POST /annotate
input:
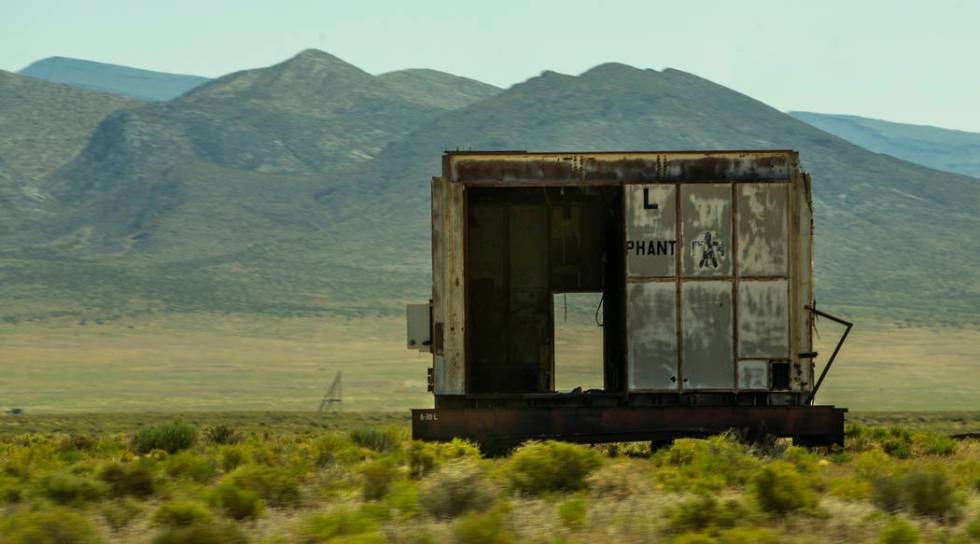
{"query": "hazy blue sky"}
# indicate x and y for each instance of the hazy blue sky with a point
(916, 62)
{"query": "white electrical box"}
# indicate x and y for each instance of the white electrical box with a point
(419, 327)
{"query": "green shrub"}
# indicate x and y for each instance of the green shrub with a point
(748, 535)
(275, 485)
(378, 511)
(484, 528)
(10, 490)
(887, 493)
(403, 497)
(933, 444)
(187, 464)
(128, 479)
(456, 487)
(235, 502)
(929, 494)
(181, 514)
(76, 442)
(923, 493)
(851, 489)
(215, 533)
(802, 458)
(335, 525)
(619, 479)
(379, 440)
(328, 449)
(232, 457)
(572, 512)
(898, 531)
(424, 457)
(49, 526)
(779, 489)
(704, 465)
(222, 434)
(704, 512)
(170, 437)
(120, 513)
(67, 488)
(693, 538)
(541, 467)
(895, 441)
(377, 476)
(972, 529)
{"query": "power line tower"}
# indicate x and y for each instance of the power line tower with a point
(333, 398)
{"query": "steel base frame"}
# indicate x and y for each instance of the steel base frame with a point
(500, 429)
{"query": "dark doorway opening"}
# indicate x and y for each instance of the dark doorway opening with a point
(523, 245)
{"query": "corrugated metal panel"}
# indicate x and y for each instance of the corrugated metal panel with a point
(651, 230)
(652, 335)
(706, 229)
(763, 319)
(762, 229)
(753, 374)
(706, 325)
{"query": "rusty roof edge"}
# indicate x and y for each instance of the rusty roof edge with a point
(625, 152)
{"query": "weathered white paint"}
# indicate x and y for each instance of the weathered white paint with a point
(707, 357)
(706, 229)
(651, 332)
(762, 229)
(645, 225)
(753, 374)
(763, 319)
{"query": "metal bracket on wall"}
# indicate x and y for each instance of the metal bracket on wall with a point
(833, 355)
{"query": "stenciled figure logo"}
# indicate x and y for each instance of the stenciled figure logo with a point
(711, 250)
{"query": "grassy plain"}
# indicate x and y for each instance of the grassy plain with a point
(218, 362)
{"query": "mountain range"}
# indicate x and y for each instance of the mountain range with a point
(940, 148)
(112, 78)
(303, 188)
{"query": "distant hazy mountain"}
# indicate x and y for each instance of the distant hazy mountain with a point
(112, 78)
(46, 124)
(304, 187)
(944, 149)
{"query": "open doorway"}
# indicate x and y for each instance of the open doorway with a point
(578, 342)
(525, 248)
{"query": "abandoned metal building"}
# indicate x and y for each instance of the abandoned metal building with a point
(703, 261)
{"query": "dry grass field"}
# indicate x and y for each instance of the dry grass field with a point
(214, 362)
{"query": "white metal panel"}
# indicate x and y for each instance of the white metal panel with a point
(762, 229)
(763, 319)
(706, 323)
(651, 332)
(753, 374)
(651, 230)
(706, 229)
